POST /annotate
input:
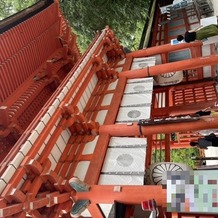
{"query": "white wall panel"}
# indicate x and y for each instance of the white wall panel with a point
(124, 160)
(81, 169)
(90, 146)
(133, 114)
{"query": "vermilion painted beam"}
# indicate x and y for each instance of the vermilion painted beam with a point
(95, 211)
(17, 177)
(133, 130)
(32, 165)
(115, 103)
(4, 116)
(35, 186)
(183, 109)
(3, 203)
(94, 170)
(52, 177)
(40, 140)
(11, 210)
(61, 198)
(38, 203)
(148, 152)
(60, 168)
(135, 194)
(64, 208)
(162, 49)
(35, 214)
(21, 215)
(13, 194)
(63, 186)
(128, 63)
(191, 108)
(167, 147)
(68, 149)
(50, 144)
(171, 67)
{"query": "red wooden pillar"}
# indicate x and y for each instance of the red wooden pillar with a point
(171, 67)
(131, 194)
(162, 49)
(4, 117)
(134, 130)
(184, 109)
(190, 109)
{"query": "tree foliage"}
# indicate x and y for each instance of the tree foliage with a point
(10, 7)
(182, 155)
(125, 17)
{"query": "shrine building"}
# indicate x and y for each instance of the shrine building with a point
(102, 115)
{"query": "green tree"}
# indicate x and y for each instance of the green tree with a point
(125, 17)
(182, 155)
(10, 7)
